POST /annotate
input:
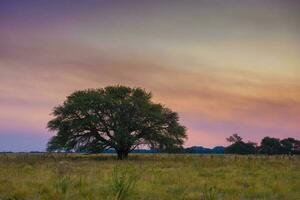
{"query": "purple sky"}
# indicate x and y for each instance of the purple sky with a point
(224, 67)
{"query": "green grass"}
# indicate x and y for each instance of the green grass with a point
(148, 177)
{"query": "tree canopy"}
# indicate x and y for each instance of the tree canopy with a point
(268, 145)
(117, 117)
(272, 146)
(238, 146)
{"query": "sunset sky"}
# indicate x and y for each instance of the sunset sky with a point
(224, 66)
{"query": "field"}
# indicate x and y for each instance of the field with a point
(148, 177)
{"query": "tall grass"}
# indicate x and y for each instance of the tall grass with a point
(208, 193)
(148, 177)
(63, 184)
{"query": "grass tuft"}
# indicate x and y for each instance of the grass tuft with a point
(123, 182)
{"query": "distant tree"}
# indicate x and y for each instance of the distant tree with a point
(287, 145)
(271, 146)
(115, 117)
(290, 146)
(238, 146)
(234, 138)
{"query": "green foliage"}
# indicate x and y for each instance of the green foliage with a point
(115, 117)
(123, 181)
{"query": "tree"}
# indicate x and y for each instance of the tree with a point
(270, 146)
(287, 145)
(290, 146)
(234, 138)
(117, 117)
(238, 146)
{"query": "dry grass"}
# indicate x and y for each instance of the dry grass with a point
(160, 177)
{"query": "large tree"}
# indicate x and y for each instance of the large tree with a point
(117, 117)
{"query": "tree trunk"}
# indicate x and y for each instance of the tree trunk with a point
(122, 154)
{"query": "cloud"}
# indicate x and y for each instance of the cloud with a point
(230, 67)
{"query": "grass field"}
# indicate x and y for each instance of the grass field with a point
(148, 177)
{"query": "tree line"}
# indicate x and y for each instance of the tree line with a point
(268, 146)
(123, 118)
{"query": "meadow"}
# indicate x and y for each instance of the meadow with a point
(148, 177)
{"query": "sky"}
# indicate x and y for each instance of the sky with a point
(225, 66)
